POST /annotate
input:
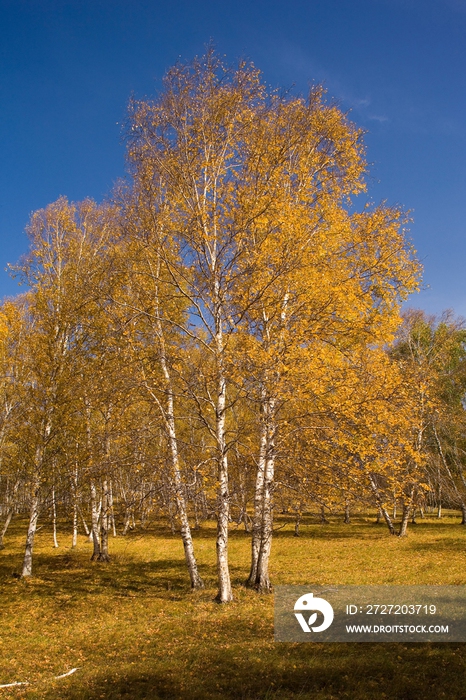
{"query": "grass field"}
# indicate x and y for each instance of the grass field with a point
(134, 630)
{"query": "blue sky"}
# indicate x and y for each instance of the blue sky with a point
(68, 68)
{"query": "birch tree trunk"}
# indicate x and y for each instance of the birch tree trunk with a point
(196, 580)
(262, 583)
(74, 541)
(347, 519)
(54, 518)
(258, 500)
(407, 508)
(86, 529)
(167, 410)
(103, 554)
(94, 523)
(9, 513)
(169, 415)
(263, 508)
(127, 522)
(452, 480)
(33, 518)
(380, 506)
(463, 515)
(225, 594)
(111, 510)
(74, 492)
(439, 498)
(404, 520)
(6, 525)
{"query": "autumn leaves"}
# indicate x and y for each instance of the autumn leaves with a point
(224, 321)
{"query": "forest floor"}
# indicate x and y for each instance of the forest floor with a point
(134, 630)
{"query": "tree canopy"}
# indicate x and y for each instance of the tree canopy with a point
(223, 337)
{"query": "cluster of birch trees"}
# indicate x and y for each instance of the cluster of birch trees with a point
(222, 338)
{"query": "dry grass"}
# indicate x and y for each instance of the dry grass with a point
(136, 631)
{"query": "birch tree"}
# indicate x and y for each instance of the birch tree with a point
(431, 354)
(148, 311)
(327, 282)
(58, 272)
(13, 378)
(186, 149)
(252, 189)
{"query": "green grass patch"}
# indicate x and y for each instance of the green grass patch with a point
(134, 629)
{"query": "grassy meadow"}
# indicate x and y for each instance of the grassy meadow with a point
(134, 630)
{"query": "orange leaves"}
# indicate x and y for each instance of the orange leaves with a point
(234, 279)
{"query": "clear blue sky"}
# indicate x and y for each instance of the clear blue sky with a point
(68, 67)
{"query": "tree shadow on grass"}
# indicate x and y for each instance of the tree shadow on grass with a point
(369, 529)
(445, 544)
(333, 532)
(123, 576)
(287, 672)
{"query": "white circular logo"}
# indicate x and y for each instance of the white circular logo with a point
(307, 603)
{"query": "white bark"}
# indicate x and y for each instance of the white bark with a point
(111, 510)
(262, 529)
(54, 518)
(33, 518)
(86, 529)
(74, 540)
(380, 505)
(74, 491)
(6, 525)
(404, 520)
(225, 593)
(103, 554)
(94, 523)
(262, 582)
(9, 514)
(263, 500)
(407, 508)
(167, 410)
(169, 415)
(258, 501)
